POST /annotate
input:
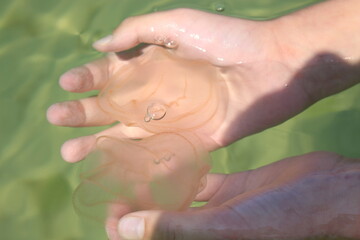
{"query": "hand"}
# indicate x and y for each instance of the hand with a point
(312, 195)
(265, 84)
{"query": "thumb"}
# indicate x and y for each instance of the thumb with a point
(202, 224)
(155, 28)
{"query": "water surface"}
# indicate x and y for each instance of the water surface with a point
(40, 39)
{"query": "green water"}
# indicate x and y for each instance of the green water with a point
(40, 39)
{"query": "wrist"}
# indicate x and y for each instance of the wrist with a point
(331, 27)
(321, 45)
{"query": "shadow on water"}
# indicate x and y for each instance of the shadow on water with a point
(329, 129)
(324, 75)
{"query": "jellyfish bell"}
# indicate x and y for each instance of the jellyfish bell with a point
(160, 91)
(164, 171)
(176, 99)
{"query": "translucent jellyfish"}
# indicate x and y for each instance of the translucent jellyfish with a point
(162, 92)
(175, 99)
(164, 171)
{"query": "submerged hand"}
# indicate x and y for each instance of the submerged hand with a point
(312, 195)
(267, 82)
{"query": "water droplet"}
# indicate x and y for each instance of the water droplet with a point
(159, 40)
(170, 43)
(219, 7)
(155, 111)
(157, 161)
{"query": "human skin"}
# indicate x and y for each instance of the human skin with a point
(275, 69)
(310, 196)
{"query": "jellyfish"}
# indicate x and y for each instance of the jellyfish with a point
(163, 92)
(173, 98)
(164, 171)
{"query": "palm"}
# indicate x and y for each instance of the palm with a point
(304, 195)
(278, 176)
(295, 198)
(260, 85)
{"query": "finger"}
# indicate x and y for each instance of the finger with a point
(91, 76)
(156, 28)
(77, 149)
(213, 184)
(80, 113)
(111, 228)
(115, 212)
(207, 224)
(286, 170)
(232, 185)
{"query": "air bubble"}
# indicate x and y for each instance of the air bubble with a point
(147, 118)
(155, 111)
(167, 157)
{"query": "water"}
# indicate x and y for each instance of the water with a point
(40, 39)
(218, 6)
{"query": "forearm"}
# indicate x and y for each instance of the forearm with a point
(332, 26)
(322, 46)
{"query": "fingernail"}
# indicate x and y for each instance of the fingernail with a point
(132, 228)
(104, 41)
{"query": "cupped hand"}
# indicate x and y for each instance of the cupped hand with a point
(312, 195)
(264, 85)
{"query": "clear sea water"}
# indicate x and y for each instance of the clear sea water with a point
(40, 39)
